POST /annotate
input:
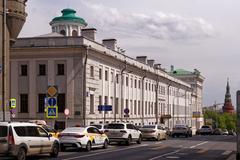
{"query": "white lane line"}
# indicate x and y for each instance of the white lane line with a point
(198, 144)
(106, 152)
(157, 142)
(226, 153)
(166, 154)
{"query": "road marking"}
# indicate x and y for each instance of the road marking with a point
(157, 142)
(109, 151)
(226, 153)
(172, 157)
(157, 147)
(166, 154)
(198, 144)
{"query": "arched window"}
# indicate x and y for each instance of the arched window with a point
(63, 32)
(74, 33)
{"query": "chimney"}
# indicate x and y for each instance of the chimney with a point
(89, 33)
(157, 66)
(142, 59)
(150, 62)
(110, 43)
(172, 68)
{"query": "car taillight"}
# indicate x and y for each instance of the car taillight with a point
(10, 137)
(79, 136)
(123, 131)
(152, 131)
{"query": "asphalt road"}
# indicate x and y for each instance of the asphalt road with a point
(194, 148)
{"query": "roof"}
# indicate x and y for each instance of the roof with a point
(54, 34)
(69, 15)
(181, 72)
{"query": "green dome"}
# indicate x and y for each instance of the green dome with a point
(69, 15)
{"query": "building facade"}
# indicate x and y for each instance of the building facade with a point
(12, 18)
(89, 74)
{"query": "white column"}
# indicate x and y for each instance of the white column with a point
(51, 73)
(32, 89)
(14, 83)
(70, 87)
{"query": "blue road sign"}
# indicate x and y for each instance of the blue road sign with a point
(105, 108)
(52, 112)
(52, 101)
(126, 111)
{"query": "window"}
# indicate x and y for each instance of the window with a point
(139, 107)
(100, 73)
(116, 105)
(21, 131)
(146, 107)
(130, 126)
(91, 104)
(135, 107)
(126, 81)
(105, 100)
(117, 78)
(146, 85)
(3, 130)
(149, 87)
(41, 102)
(63, 32)
(91, 71)
(60, 69)
(135, 83)
(32, 131)
(131, 82)
(139, 84)
(100, 101)
(112, 77)
(126, 103)
(24, 70)
(42, 70)
(41, 132)
(74, 33)
(61, 102)
(106, 75)
(23, 103)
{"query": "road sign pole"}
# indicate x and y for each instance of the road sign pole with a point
(238, 125)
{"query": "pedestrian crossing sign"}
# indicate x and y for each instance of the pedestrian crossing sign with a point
(52, 112)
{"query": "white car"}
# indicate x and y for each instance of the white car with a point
(20, 139)
(101, 127)
(153, 131)
(206, 130)
(82, 137)
(123, 132)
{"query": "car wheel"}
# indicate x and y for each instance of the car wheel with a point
(88, 146)
(139, 141)
(55, 150)
(21, 154)
(158, 137)
(186, 135)
(105, 144)
(129, 140)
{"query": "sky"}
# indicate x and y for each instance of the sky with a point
(189, 34)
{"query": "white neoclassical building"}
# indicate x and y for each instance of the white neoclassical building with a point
(88, 74)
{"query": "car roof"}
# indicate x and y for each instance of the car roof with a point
(17, 124)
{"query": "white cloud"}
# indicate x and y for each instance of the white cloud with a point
(158, 25)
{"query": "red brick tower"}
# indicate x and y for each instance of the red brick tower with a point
(228, 107)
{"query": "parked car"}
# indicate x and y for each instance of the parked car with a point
(232, 132)
(181, 130)
(225, 132)
(153, 131)
(101, 127)
(82, 137)
(206, 130)
(51, 130)
(123, 132)
(217, 131)
(21, 139)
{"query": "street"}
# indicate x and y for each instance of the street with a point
(196, 147)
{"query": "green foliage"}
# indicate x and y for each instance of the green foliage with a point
(222, 120)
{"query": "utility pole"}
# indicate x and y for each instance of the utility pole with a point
(238, 125)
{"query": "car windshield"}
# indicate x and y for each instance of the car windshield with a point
(73, 129)
(3, 130)
(149, 126)
(49, 129)
(98, 126)
(205, 127)
(115, 126)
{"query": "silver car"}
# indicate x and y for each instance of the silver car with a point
(153, 131)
